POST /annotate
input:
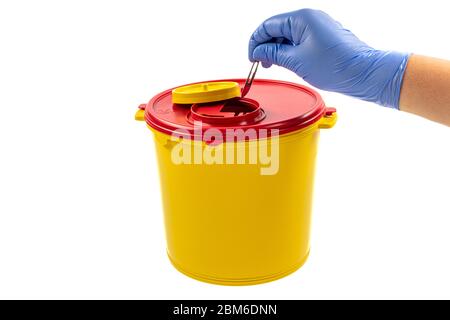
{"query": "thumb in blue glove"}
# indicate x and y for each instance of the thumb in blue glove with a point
(329, 57)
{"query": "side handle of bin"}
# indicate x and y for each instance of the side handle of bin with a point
(139, 116)
(329, 119)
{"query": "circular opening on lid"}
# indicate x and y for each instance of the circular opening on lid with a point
(233, 111)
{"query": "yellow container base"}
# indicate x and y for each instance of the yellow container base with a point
(240, 282)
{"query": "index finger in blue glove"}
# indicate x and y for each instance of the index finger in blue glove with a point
(280, 26)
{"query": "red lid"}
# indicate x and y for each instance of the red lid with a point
(270, 104)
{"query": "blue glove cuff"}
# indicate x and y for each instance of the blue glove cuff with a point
(396, 62)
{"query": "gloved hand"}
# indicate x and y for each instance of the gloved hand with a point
(328, 56)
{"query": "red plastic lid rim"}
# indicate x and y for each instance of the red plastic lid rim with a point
(248, 113)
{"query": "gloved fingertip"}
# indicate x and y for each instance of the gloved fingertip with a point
(264, 54)
(259, 53)
(252, 44)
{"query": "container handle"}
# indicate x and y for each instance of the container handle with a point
(329, 119)
(140, 114)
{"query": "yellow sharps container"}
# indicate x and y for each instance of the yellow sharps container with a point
(237, 176)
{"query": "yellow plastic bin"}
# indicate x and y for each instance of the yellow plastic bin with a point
(237, 180)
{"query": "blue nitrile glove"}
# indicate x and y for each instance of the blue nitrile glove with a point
(328, 56)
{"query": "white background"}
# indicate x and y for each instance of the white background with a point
(80, 210)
